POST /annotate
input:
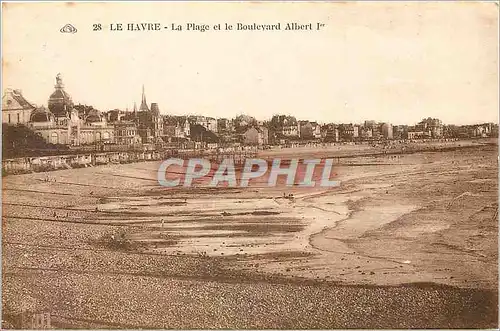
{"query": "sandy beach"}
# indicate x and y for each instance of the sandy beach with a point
(406, 241)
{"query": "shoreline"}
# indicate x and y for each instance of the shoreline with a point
(100, 233)
(406, 148)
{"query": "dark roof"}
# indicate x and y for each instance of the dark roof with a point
(60, 94)
(60, 102)
(174, 120)
(41, 114)
(154, 109)
(258, 128)
(144, 106)
(94, 116)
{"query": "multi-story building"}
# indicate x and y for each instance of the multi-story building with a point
(116, 115)
(15, 108)
(242, 121)
(126, 133)
(330, 133)
(209, 123)
(371, 130)
(494, 130)
(399, 131)
(411, 134)
(305, 130)
(377, 131)
(387, 131)
(366, 133)
(432, 127)
(284, 126)
(289, 127)
(484, 130)
(224, 125)
(355, 132)
(61, 123)
(177, 127)
(369, 124)
(149, 121)
(346, 132)
(309, 130)
(256, 135)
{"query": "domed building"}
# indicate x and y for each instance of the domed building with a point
(61, 124)
(44, 122)
(60, 102)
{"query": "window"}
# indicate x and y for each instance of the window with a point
(18, 118)
(54, 138)
(9, 118)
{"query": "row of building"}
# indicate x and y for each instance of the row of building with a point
(63, 122)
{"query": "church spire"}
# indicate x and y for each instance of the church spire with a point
(144, 104)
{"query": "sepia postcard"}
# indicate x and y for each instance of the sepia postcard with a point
(250, 165)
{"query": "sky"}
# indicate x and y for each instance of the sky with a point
(385, 61)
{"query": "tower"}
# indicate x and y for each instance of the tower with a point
(144, 104)
(60, 103)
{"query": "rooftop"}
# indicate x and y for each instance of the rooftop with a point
(14, 100)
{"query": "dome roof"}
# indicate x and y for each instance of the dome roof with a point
(94, 116)
(60, 94)
(60, 102)
(41, 114)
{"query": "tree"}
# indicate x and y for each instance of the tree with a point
(19, 140)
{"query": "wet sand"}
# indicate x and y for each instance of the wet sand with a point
(406, 241)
